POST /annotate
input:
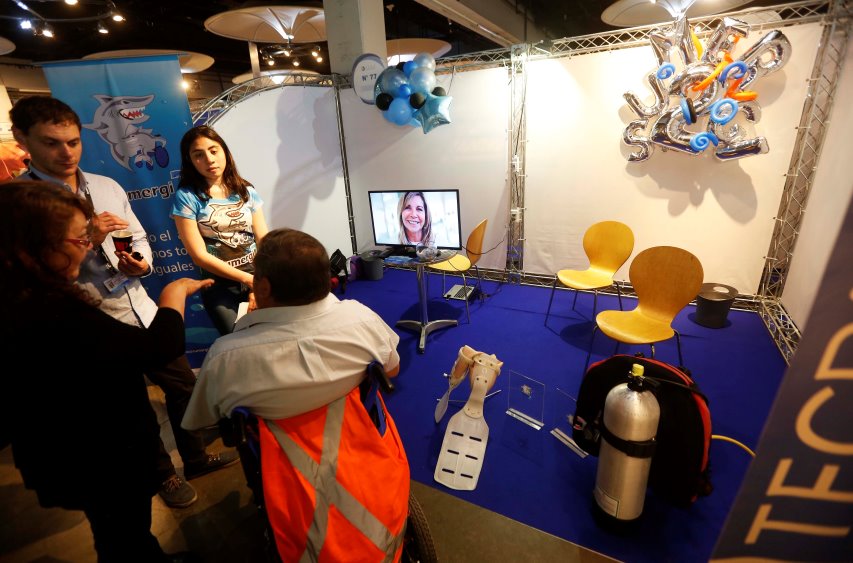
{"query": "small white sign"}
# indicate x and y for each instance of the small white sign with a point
(365, 70)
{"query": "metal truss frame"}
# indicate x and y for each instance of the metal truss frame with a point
(517, 161)
(213, 108)
(811, 132)
(835, 15)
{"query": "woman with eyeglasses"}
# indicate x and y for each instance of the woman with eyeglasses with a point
(83, 435)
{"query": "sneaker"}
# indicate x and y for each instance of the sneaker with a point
(211, 463)
(177, 493)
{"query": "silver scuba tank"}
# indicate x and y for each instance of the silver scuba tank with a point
(630, 423)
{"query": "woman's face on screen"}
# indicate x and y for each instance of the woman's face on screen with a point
(413, 217)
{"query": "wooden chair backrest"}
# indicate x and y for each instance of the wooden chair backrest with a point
(666, 279)
(608, 245)
(474, 246)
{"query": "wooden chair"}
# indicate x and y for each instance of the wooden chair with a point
(460, 264)
(665, 279)
(608, 245)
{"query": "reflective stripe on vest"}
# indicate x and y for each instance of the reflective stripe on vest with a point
(329, 492)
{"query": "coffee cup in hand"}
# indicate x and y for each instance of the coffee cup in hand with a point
(123, 240)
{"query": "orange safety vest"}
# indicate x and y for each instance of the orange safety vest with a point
(334, 488)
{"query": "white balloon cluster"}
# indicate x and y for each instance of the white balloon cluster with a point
(705, 101)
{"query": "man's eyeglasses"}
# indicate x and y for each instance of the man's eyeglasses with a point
(84, 242)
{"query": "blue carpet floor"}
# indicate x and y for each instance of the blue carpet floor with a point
(529, 475)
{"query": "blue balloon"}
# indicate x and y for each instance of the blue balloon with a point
(422, 80)
(399, 112)
(435, 112)
(404, 91)
(390, 80)
(424, 60)
(408, 67)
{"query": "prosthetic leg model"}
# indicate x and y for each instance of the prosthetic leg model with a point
(464, 446)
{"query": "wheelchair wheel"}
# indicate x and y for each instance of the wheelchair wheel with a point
(418, 546)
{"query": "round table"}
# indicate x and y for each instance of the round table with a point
(425, 326)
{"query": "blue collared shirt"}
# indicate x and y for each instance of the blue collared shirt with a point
(130, 303)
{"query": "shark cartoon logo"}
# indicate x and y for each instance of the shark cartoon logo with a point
(229, 223)
(117, 121)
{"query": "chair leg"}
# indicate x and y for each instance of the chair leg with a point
(553, 288)
(653, 350)
(443, 287)
(678, 343)
(465, 285)
(619, 293)
(594, 302)
(479, 282)
(575, 300)
(589, 352)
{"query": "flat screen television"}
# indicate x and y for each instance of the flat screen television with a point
(402, 218)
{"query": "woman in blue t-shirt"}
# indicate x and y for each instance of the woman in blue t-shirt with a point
(219, 219)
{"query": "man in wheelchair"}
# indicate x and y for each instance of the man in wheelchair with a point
(296, 364)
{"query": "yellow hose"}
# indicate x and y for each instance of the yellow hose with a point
(733, 441)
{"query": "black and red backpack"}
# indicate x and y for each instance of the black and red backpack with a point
(679, 470)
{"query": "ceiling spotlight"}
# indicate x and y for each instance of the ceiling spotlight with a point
(117, 17)
(47, 31)
(315, 54)
(71, 2)
(185, 85)
(286, 53)
(270, 62)
(295, 62)
(319, 59)
(26, 24)
(277, 78)
(102, 29)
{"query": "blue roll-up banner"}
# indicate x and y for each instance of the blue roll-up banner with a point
(796, 501)
(134, 113)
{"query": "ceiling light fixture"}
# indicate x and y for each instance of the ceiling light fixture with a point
(43, 26)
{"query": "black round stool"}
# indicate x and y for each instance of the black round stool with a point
(713, 304)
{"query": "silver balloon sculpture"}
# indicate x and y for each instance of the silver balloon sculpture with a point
(700, 95)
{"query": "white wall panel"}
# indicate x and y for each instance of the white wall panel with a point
(469, 154)
(577, 173)
(285, 141)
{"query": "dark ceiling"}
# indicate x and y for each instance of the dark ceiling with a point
(179, 24)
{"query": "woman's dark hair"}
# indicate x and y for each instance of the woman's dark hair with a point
(38, 215)
(191, 178)
(296, 265)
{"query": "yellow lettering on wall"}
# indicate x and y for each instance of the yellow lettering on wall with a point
(824, 368)
(822, 489)
(804, 425)
(762, 522)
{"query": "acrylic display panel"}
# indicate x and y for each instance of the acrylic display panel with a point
(564, 411)
(526, 401)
